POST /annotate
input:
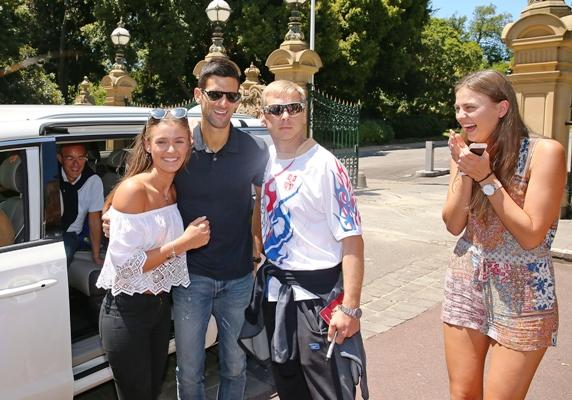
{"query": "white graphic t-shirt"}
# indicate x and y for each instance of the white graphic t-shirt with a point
(308, 207)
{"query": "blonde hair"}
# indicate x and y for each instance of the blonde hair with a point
(504, 142)
(281, 87)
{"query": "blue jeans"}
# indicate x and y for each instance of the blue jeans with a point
(193, 306)
(71, 244)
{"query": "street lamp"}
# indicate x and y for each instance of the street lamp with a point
(294, 22)
(120, 37)
(218, 12)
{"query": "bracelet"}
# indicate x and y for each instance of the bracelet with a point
(256, 259)
(490, 173)
(173, 252)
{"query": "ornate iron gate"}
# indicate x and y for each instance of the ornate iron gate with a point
(334, 124)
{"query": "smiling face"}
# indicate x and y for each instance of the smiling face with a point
(73, 158)
(168, 144)
(478, 114)
(217, 113)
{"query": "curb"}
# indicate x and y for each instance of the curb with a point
(432, 173)
(562, 254)
(373, 150)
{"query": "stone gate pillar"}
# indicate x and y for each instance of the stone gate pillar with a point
(294, 60)
(541, 40)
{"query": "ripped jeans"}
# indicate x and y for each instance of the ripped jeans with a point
(193, 306)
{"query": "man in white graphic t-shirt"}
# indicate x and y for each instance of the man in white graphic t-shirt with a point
(312, 235)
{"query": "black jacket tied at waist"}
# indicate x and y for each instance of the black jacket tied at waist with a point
(326, 284)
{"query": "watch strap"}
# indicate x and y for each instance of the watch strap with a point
(352, 312)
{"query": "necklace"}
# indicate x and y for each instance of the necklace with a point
(166, 195)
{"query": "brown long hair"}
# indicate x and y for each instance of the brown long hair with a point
(504, 143)
(139, 160)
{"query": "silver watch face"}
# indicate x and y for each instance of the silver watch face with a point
(489, 189)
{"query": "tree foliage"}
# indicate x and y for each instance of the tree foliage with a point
(23, 78)
(375, 46)
(485, 28)
(444, 59)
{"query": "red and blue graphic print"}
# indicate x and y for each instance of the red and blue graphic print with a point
(348, 216)
(277, 225)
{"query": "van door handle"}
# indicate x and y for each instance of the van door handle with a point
(32, 287)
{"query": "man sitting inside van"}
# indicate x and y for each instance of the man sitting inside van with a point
(82, 194)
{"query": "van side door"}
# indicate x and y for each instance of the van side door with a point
(35, 361)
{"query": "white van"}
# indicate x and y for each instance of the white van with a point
(49, 341)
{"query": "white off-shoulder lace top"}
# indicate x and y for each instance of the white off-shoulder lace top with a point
(130, 236)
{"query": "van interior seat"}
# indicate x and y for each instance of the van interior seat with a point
(12, 178)
(115, 163)
(94, 160)
(83, 274)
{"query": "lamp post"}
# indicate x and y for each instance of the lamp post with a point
(294, 23)
(218, 12)
(120, 37)
(117, 83)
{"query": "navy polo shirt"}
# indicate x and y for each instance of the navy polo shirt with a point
(218, 186)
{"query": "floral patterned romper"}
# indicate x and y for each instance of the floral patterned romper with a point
(495, 286)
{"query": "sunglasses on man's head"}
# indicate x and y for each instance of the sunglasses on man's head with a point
(215, 95)
(160, 113)
(278, 109)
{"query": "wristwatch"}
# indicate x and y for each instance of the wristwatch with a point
(490, 188)
(352, 312)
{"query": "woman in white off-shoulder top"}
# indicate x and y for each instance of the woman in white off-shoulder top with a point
(146, 256)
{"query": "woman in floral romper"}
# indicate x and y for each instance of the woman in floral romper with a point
(499, 287)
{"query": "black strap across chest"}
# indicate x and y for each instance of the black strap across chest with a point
(70, 197)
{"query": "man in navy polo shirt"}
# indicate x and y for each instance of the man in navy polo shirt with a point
(217, 183)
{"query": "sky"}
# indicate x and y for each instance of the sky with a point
(466, 7)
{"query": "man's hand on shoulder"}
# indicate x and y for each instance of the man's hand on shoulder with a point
(105, 222)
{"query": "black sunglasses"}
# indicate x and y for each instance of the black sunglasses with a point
(215, 95)
(160, 113)
(278, 109)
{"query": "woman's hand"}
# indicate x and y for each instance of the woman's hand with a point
(457, 145)
(477, 167)
(197, 234)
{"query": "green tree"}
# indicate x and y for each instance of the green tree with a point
(22, 76)
(55, 29)
(368, 46)
(485, 28)
(444, 59)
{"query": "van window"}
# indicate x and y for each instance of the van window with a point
(13, 198)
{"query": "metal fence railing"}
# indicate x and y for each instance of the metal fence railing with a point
(334, 124)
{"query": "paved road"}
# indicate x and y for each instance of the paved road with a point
(400, 165)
